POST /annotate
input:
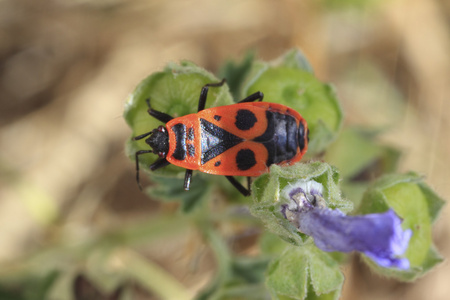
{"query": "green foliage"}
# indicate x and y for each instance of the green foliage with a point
(304, 273)
(171, 189)
(298, 269)
(418, 206)
(287, 265)
(294, 59)
(235, 74)
(360, 158)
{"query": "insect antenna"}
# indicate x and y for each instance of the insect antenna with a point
(140, 137)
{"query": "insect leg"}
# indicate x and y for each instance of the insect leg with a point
(253, 97)
(160, 116)
(137, 164)
(239, 186)
(187, 179)
(160, 163)
(204, 93)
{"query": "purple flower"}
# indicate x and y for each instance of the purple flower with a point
(379, 236)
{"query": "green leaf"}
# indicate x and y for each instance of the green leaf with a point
(303, 271)
(249, 269)
(174, 91)
(271, 244)
(325, 274)
(334, 295)
(360, 159)
(288, 275)
(242, 292)
(267, 201)
(418, 206)
(172, 189)
(434, 202)
(235, 74)
(295, 59)
(352, 152)
(301, 91)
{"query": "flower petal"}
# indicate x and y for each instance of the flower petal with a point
(379, 236)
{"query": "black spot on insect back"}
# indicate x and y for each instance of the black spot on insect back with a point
(190, 134)
(217, 163)
(245, 159)
(190, 150)
(180, 138)
(217, 118)
(301, 136)
(245, 119)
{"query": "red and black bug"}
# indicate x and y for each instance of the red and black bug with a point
(241, 139)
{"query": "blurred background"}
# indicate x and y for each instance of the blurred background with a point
(67, 67)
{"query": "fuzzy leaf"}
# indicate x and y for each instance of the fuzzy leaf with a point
(295, 59)
(171, 189)
(418, 206)
(235, 74)
(303, 271)
(359, 168)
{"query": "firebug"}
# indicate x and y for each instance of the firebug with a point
(241, 139)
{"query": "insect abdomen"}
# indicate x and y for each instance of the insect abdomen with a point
(280, 137)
